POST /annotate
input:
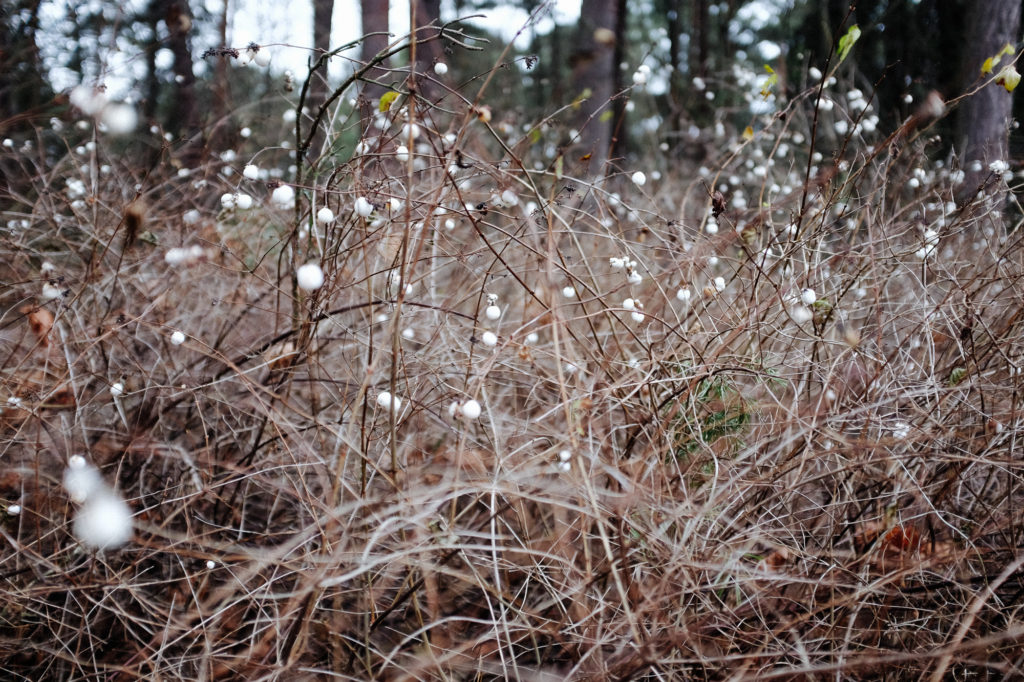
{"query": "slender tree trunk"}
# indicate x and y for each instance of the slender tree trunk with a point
(699, 41)
(984, 118)
(618, 143)
(375, 39)
(428, 53)
(184, 115)
(593, 76)
(323, 11)
(673, 10)
(221, 85)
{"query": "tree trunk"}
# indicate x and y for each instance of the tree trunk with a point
(323, 11)
(183, 119)
(593, 76)
(375, 39)
(984, 118)
(673, 10)
(23, 85)
(618, 142)
(428, 53)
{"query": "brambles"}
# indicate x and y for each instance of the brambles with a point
(453, 404)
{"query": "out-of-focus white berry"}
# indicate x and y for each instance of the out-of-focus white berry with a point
(262, 57)
(13, 509)
(117, 389)
(489, 339)
(104, 521)
(81, 480)
(177, 337)
(388, 401)
(639, 179)
(684, 295)
(283, 197)
(119, 119)
(720, 283)
(440, 68)
(402, 153)
(569, 292)
(363, 207)
(210, 565)
(251, 172)
(808, 296)
(634, 277)
(801, 314)
(191, 217)
(50, 292)
(325, 216)
(89, 100)
(471, 409)
(565, 455)
(492, 312)
(408, 334)
(532, 338)
(310, 277)
(243, 201)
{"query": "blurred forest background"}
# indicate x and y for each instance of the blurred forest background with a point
(160, 51)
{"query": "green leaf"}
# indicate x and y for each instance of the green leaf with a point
(847, 41)
(535, 136)
(606, 115)
(581, 98)
(386, 100)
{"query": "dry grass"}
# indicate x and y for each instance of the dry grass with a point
(757, 488)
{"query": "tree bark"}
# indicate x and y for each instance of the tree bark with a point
(984, 118)
(375, 39)
(323, 12)
(183, 119)
(593, 75)
(428, 53)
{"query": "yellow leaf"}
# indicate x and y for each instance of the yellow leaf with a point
(989, 64)
(773, 79)
(1008, 78)
(748, 133)
(386, 100)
